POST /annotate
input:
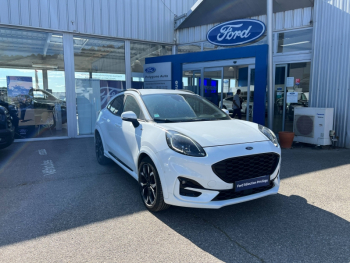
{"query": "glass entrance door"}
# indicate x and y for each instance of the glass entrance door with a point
(212, 85)
(279, 97)
(248, 106)
(219, 81)
(293, 78)
(191, 80)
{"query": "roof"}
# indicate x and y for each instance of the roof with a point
(160, 91)
(205, 12)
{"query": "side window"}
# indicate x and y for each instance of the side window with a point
(116, 106)
(131, 105)
(39, 95)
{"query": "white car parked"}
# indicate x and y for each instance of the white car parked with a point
(185, 151)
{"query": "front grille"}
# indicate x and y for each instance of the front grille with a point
(231, 194)
(246, 167)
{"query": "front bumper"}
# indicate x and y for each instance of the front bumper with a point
(199, 169)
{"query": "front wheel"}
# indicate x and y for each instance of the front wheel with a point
(100, 153)
(151, 187)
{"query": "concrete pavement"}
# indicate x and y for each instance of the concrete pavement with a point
(58, 205)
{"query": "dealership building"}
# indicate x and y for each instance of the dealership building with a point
(62, 60)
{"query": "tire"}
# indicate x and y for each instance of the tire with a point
(7, 144)
(150, 187)
(100, 156)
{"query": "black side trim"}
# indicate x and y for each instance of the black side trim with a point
(115, 157)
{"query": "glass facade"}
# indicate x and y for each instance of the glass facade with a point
(182, 49)
(99, 75)
(32, 82)
(299, 76)
(293, 41)
(138, 53)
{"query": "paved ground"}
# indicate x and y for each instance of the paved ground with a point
(63, 207)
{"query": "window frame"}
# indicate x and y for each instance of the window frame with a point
(275, 42)
(138, 104)
(112, 101)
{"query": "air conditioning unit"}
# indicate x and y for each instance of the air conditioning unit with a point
(312, 125)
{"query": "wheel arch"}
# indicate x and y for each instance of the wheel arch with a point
(146, 152)
(97, 131)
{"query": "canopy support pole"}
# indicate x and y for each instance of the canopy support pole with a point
(270, 92)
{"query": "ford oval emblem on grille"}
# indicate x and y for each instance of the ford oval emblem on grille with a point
(249, 148)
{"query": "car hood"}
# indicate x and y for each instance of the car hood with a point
(214, 133)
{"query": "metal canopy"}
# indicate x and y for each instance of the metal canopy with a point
(206, 12)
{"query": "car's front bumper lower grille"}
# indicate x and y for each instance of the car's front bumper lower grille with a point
(246, 167)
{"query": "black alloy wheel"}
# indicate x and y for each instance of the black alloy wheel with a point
(150, 186)
(101, 158)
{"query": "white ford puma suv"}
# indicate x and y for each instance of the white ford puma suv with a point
(185, 151)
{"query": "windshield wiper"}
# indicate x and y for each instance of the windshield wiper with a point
(162, 120)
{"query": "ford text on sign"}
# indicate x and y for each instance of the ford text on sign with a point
(236, 32)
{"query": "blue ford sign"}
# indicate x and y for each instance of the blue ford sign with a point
(236, 32)
(150, 70)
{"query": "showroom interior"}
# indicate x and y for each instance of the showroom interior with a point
(58, 67)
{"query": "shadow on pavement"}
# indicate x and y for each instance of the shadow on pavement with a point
(272, 229)
(300, 161)
(44, 208)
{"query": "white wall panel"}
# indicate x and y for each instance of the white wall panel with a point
(14, 9)
(298, 17)
(4, 12)
(105, 18)
(282, 21)
(96, 26)
(127, 19)
(53, 14)
(63, 15)
(44, 14)
(80, 16)
(120, 14)
(112, 13)
(89, 5)
(137, 19)
(24, 14)
(330, 73)
(71, 15)
(288, 19)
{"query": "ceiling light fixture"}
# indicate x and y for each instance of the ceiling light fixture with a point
(297, 43)
(43, 66)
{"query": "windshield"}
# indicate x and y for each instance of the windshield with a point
(182, 108)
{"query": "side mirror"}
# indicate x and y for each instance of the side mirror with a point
(226, 111)
(130, 116)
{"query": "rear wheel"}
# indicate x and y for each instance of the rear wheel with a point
(100, 153)
(151, 187)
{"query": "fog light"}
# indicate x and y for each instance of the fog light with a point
(184, 183)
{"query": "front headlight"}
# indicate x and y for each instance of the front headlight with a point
(269, 134)
(183, 144)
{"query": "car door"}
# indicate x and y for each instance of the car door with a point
(130, 140)
(111, 121)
